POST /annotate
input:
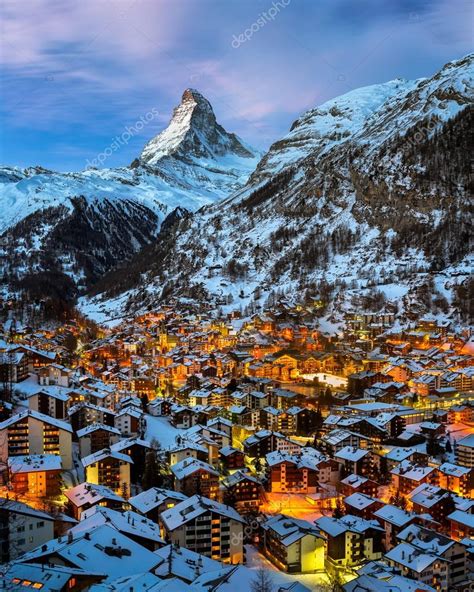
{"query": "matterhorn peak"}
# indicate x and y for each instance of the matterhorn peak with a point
(194, 133)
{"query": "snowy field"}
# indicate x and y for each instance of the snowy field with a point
(161, 430)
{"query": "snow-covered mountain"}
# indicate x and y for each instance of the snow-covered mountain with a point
(86, 222)
(364, 203)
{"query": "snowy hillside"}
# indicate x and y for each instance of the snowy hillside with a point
(193, 162)
(365, 203)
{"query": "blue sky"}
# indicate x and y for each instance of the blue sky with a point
(76, 73)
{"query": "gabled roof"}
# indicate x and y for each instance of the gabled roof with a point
(154, 497)
(58, 423)
(193, 507)
(103, 454)
(103, 550)
(90, 493)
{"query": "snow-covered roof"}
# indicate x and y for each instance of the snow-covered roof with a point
(351, 453)
(103, 550)
(128, 523)
(103, 454)
(58, 423)
(34, 463)
(154, 497)
(94, 427)
(193, 507)
(90, 493)
(394, 515)
(188, 466)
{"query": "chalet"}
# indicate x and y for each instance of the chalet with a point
(134, 526)
(432, 500)
(87, 495)
(358, 483)
(457, 479)
(49, 578)
(187, 449)
(35, 475)
(295, 473)
(462, 525)
(192, 476)
(52, 402)
(362, 505)
(231, 458)
(55, 375)
(22, 528)
(354, 460)
(429, 557)
(350, 540)
(84, 414)
(220, 529)
(95, 437)
(136, 449)
(30, 432)
(393, 520)
(242, 491)
(465, 451)
(265, 441)
(152, 502)
(406, 477)
(13, 367)
(294, 546)
(109, 468)
(102, 550)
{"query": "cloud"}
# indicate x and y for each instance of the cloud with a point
(84, 69)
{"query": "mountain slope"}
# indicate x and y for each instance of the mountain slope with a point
(365, 201)
(88, 222)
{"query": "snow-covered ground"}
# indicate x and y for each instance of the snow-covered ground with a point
(256, 561)
(160, 429)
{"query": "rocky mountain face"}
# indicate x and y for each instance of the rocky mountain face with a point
(78, 226)
(365, 203)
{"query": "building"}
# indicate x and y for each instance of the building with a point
(231, 458)
(406, 477)
(242, 491)
(13, 367)
(393, 520)
(206, 527)
(30, 432)
(95, 437)
(293, 473)
(87, 495)
(430, 557)
(22, 528)
(109, 468)
(459, 480)
(364, 506)
(294, 546)
(193, 476)
(50, 402)
(350, 541)
(36, 475)
(55, 374)
(48, 578)
(462, 525)
(464, 451)
(152, 502)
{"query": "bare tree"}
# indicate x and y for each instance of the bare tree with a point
(262, 581)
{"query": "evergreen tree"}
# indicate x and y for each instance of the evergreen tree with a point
(152, 476)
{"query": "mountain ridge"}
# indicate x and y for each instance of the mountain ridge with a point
(368, 192)
(137, 198)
